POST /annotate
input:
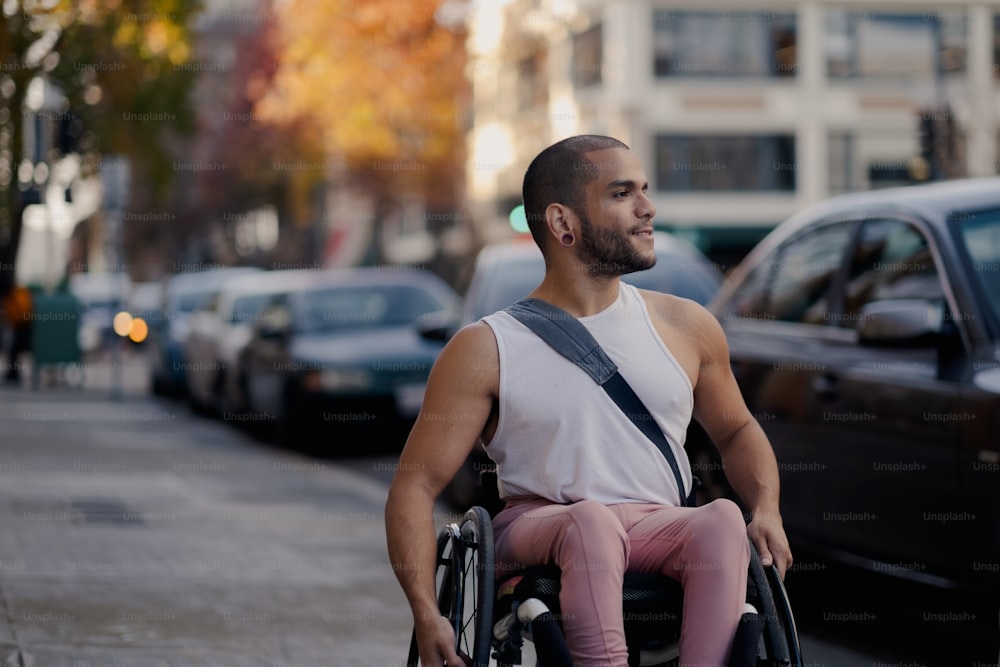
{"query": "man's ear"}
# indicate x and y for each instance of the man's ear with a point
(560, 220)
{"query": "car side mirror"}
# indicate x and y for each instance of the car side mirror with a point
(915, 322)
(439, 325)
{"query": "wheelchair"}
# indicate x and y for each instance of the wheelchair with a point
(492, 617)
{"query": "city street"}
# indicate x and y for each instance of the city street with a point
(136, 534)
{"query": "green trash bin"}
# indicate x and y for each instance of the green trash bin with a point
(55, 331)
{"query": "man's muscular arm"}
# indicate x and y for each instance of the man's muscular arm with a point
(747, 456)
(460, 392)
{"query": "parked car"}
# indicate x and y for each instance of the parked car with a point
(145, 301)
(346, 352)
(183, 293)
(219, 331)
(507, 272)
(865, 335)
(101, 295)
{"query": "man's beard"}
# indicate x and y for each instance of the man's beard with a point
(609, 252)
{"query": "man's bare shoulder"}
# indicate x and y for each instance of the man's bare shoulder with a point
(676, 309)
(471, 351)
(687, 317)
(477, 337)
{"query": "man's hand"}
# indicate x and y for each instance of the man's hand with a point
(436, 641)
(768, 536)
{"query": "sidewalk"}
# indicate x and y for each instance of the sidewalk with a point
(132, 534)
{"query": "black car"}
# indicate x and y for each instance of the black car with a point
(865, 335)
(345, 351)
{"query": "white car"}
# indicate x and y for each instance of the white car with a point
(506, 272)
(101, 295)
(218, 332)
(183, 294)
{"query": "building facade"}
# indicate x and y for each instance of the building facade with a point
(741, 113)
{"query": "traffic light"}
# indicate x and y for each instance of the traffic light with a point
(926, 128)
(940, 152)
(518, 219)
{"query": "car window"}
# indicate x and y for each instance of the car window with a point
(980, 234)
(804, 273)
(364, 306)
(512, 281)
(892, 260)
(681, 276)
(793, 284)
(749, 301)
(188, 302)
(246, 308)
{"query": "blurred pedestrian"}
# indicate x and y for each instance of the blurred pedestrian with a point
(17, 310)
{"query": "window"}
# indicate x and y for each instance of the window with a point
(532, 88)
(873, 159)
(840, 172)
(996, 46)
(865, 45)
(588, 58)
(793, 285)
(736, 163)
(892, 261)
(733, 43)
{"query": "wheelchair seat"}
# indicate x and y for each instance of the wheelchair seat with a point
(651, 604)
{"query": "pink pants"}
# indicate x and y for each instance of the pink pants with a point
(705, 548)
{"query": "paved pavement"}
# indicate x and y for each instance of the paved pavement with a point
(132, 534)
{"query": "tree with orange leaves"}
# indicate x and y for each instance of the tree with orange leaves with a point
(384, 82)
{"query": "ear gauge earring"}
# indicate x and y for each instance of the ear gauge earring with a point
(567, 239)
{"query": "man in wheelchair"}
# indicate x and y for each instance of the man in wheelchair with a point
(585, 484)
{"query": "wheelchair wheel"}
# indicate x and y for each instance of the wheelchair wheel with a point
(766, 591)
(464, 580)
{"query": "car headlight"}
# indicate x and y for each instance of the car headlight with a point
(342, 379)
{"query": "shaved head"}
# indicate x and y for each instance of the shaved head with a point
(559, 175)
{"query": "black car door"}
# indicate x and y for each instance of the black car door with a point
(779, 335)
(891, 413)
(866, 451)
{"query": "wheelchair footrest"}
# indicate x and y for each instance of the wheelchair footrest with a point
(550, 646)
(748, 634)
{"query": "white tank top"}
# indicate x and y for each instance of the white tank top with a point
(561, 437)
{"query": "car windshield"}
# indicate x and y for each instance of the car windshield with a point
(675, 274)
(246, 308)
(678, 275)
(980, 234)
(188, 302)
(511, 283)
(361, 306)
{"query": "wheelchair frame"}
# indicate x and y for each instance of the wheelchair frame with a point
(465, 579)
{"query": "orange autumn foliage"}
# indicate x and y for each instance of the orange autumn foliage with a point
(381, 79)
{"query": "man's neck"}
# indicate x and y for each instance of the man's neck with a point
(579, 295)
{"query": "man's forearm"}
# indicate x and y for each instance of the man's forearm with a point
(409, 524)
(752, 470)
